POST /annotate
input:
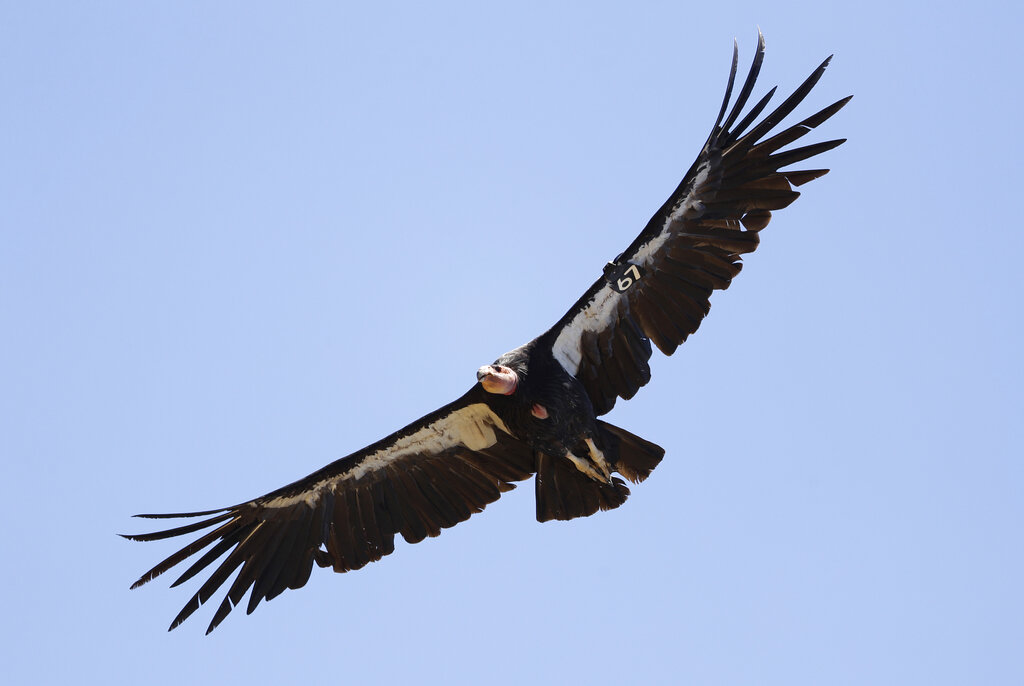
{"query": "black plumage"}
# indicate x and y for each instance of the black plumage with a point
(535, 410)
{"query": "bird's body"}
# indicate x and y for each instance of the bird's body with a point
(549, 409)
(551, 412)
(535, 410)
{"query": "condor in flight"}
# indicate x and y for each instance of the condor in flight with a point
(535, 410)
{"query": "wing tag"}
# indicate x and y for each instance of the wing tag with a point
(622, 276)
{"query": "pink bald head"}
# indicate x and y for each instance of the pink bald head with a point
(497, 378)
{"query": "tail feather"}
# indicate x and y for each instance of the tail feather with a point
(564, 492)
(634, 457)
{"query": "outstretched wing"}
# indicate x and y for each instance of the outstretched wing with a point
(659, 288)
(429, 476)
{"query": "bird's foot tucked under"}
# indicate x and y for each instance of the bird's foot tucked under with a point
(598, 458)
(585, 466)
(597, 468)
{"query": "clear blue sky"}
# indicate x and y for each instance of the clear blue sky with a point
(240, 242)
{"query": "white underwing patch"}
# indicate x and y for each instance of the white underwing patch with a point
(601, 311)
(690, 200)
(472, 426)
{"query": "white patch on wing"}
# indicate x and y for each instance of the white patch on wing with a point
(690, 201)
(472, 426)
(600, 312)
(567, 348)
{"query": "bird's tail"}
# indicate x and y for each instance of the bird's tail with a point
(564, 492)
(632, 456)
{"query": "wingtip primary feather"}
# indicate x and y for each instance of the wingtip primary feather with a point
(728, 86)
(180, 515)
(748, 85)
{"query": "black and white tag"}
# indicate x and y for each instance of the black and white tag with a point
(623, 276)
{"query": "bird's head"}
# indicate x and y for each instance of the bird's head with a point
(497, 378)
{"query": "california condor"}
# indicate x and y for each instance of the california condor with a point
(535, 409)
